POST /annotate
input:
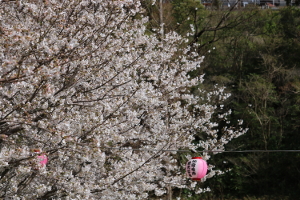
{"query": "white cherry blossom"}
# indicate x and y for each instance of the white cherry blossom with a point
(82, 79)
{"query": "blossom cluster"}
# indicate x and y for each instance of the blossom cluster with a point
(80, 79)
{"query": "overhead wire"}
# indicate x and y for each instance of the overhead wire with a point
(204, 151)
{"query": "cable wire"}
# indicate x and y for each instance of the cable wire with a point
(208, 151)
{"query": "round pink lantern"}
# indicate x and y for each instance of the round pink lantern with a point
(196, 168)
(40, 161)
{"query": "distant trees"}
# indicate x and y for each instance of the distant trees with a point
(260, 68)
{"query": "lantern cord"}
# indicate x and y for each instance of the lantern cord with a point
(207, 151)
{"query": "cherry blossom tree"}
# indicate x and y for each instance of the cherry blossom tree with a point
(90, 102)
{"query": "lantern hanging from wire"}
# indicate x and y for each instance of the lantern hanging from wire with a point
(196, 168)
(40, 160)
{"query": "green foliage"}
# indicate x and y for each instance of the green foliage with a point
(187, 12)
(290, 21)
(264, 72)
(259, 64)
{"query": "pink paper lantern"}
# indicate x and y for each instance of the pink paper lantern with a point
(40, 161)
(43, 159)
(196, 168)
